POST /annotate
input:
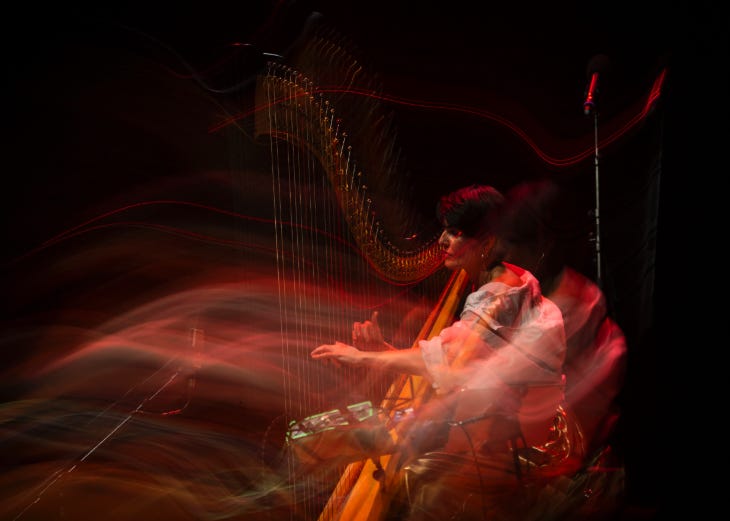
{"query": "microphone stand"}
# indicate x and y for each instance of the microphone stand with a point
(597, 212)
(596, 64)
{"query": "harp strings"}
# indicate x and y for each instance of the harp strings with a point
(331, 250)
(311, 271)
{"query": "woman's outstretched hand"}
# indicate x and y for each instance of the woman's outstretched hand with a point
(339, 353)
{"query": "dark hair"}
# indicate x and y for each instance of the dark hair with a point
(533, 213)
(527, 212)
(474, 210)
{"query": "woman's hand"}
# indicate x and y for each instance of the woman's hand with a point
(339, 353)
(400, 360)
(368, 336)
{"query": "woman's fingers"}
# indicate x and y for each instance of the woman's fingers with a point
(368, 331)
(374, 318)
(337, 353)
(322, 351)
(329, 350)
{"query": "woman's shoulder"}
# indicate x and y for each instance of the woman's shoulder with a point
(498, 298)
(520, 276)
(509, 280)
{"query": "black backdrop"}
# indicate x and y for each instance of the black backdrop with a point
(87, 117)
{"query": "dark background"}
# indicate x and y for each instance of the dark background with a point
(92, 111)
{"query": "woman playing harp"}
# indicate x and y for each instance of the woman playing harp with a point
(497, 376)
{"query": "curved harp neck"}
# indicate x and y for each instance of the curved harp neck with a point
(295, 112)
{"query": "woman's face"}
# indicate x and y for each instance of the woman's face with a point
(460, 251)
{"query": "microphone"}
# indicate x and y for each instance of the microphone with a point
(597, 66)
(589, 105)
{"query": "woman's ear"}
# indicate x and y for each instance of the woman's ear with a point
(496, 251)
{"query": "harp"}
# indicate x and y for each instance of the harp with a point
(347, 241)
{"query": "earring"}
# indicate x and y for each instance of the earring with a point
(539, 261)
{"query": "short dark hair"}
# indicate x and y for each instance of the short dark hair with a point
(474, 210)
(528, 211)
